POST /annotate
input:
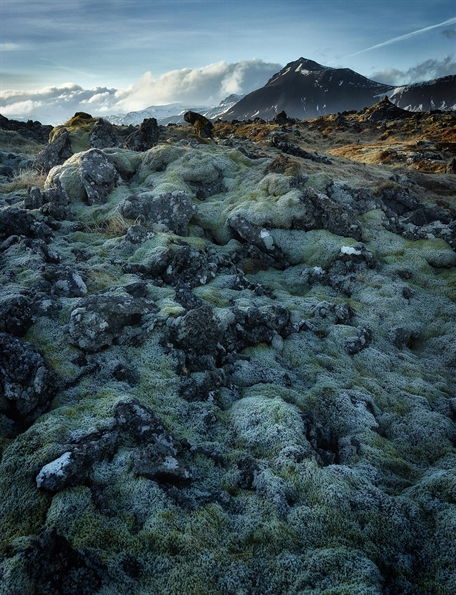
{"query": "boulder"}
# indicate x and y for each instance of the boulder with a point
(26, 383)
(15, 221)
(145, 137)
(74, 465)
(202, 125)
(55, 153)
(159, 462)
(283, 145)
(321, 212)
(281, 118)
(16, 314)
(98, 176)
(99, 320)
(53, 202)
(172, 209)
(104, 135)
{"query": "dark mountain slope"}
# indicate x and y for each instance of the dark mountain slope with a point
(305, 89)
(430, 95)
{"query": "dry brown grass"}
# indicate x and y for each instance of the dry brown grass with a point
(24, 179)
(11, 141)
(113, 227)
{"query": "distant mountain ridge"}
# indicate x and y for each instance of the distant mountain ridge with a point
(172, 112)
(305, 89)
(427, 96)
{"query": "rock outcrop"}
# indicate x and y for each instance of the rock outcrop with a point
(145, 137)
(202, 125)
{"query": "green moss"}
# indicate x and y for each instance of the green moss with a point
(265, 425)
(314, 248)
(168, 307)
(213, 295)
(51, 341)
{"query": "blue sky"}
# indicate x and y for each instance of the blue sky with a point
(112, 44)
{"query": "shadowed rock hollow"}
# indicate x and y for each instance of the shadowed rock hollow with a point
(228, 366)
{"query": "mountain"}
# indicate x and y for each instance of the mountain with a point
(164, 114)
(430, 95)
(223, 106)
(306, 89)
(172, 112)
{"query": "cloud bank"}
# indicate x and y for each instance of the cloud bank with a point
(425, 71)
(189, 86)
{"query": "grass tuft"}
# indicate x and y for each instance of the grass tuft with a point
(22, 180)
(114, 226)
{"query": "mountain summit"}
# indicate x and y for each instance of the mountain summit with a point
(306, 89)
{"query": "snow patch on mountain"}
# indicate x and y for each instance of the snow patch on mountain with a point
(172, 112)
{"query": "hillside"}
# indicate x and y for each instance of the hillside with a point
(438, 94)
(227, 366)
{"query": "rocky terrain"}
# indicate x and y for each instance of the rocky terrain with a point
(227, 364)
(305, 89)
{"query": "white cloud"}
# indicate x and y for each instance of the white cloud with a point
(190, 86)
(10, 47)
(425, 71)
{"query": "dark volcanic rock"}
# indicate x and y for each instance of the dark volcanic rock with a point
(26, 383)
(140, 423)
(12, 163)
(203, 127)
(197, 332)
(384, 110)
(98, 175)
(158, 462)
(104, 135)
(74, 465)
(16, 314)
(363, 340)
(56, 568)
(54, 202)
(172, 209)
(323, 213)
(281, 118)
(145, 137)
(281, 143)
(100, 320)
(55, 153)
(14, 221)
(32, 130)
(191, 267)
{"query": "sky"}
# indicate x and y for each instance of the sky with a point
(114, 56)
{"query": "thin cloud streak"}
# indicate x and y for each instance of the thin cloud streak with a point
(403, 37)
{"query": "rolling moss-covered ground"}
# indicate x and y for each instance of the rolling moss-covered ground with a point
(315, 470)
